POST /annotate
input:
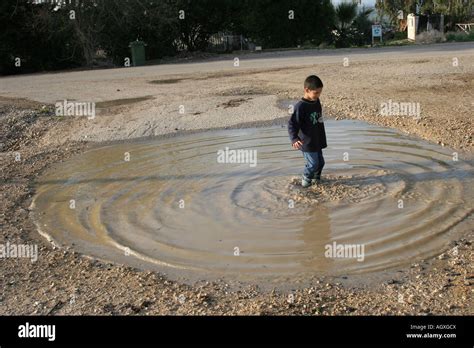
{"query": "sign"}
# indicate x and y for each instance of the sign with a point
(400, 14)
(376, 30)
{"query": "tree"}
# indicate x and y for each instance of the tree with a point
(123, 21)
(279, 23)
(391, 8)
(198, 20)
(41, 37)
(48, 36)
(345, 15)
(455, 11)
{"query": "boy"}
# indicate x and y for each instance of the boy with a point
(306, 130)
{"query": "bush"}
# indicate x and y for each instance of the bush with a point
(460, 36)
(353, 27)
(431, 36)
(400, 35)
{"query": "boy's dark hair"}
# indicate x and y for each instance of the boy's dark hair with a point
(313, 82)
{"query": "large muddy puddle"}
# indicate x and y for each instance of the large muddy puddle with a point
(171, 205)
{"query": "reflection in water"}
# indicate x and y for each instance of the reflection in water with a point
(316, 234)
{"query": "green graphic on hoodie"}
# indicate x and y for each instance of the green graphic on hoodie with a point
(314, 117)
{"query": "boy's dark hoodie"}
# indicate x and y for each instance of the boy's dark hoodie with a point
(306, 124)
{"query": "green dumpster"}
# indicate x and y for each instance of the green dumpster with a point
(138, 52)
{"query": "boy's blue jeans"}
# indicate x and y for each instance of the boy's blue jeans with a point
(314, 164)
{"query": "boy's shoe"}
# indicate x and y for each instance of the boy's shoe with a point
(305, 182)
(316, 180)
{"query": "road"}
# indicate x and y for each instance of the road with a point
(97, 85)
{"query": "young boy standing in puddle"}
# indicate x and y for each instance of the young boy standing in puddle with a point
(306, 130)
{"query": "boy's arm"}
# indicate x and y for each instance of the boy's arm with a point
(294, 126)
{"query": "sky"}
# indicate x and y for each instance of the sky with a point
(367, 3)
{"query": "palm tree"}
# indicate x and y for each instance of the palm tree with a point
(345, 15)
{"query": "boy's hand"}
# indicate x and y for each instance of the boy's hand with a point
(297, 145)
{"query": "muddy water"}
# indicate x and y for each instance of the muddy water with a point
(171, 206)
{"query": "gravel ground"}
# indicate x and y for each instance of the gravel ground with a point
(64, 282)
